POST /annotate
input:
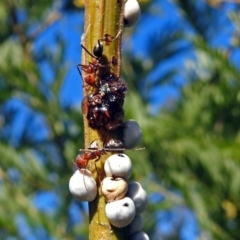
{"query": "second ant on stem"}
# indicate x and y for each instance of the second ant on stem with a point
(93, 153)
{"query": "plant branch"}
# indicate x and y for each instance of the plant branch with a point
(101, 17)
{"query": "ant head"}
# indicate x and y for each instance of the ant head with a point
(98, 49)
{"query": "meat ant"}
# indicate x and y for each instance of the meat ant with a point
(94, 153)
(92, 68)
(85, 156)
(98, 48)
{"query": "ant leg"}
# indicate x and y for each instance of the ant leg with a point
(79, 70)
(93, 66)
(105, 139)
(85, 67)
(85, 170)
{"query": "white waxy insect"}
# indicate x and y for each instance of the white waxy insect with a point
(139, 236)
(114, 188)
(118, 165)
(138, 195)
(120, 213)
(132, 13)
(83, 186)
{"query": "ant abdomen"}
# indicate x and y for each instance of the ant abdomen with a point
(81, 162)
(98, 50)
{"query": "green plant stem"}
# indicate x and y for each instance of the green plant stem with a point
(101, 17)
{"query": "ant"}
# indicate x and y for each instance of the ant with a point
(95, 154)
(92, 68)
(98, 48)
(83, 159)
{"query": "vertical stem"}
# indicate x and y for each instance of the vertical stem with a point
(101, 17)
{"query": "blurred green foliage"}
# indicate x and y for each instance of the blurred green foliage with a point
(192, 143)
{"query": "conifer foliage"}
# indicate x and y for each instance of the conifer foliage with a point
(191, 143)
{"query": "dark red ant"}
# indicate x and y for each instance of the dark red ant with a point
(93, 153)
(113, 145)
(93, 67)
(83, 159)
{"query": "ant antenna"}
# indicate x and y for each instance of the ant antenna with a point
(83, 171)
(122, 149)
